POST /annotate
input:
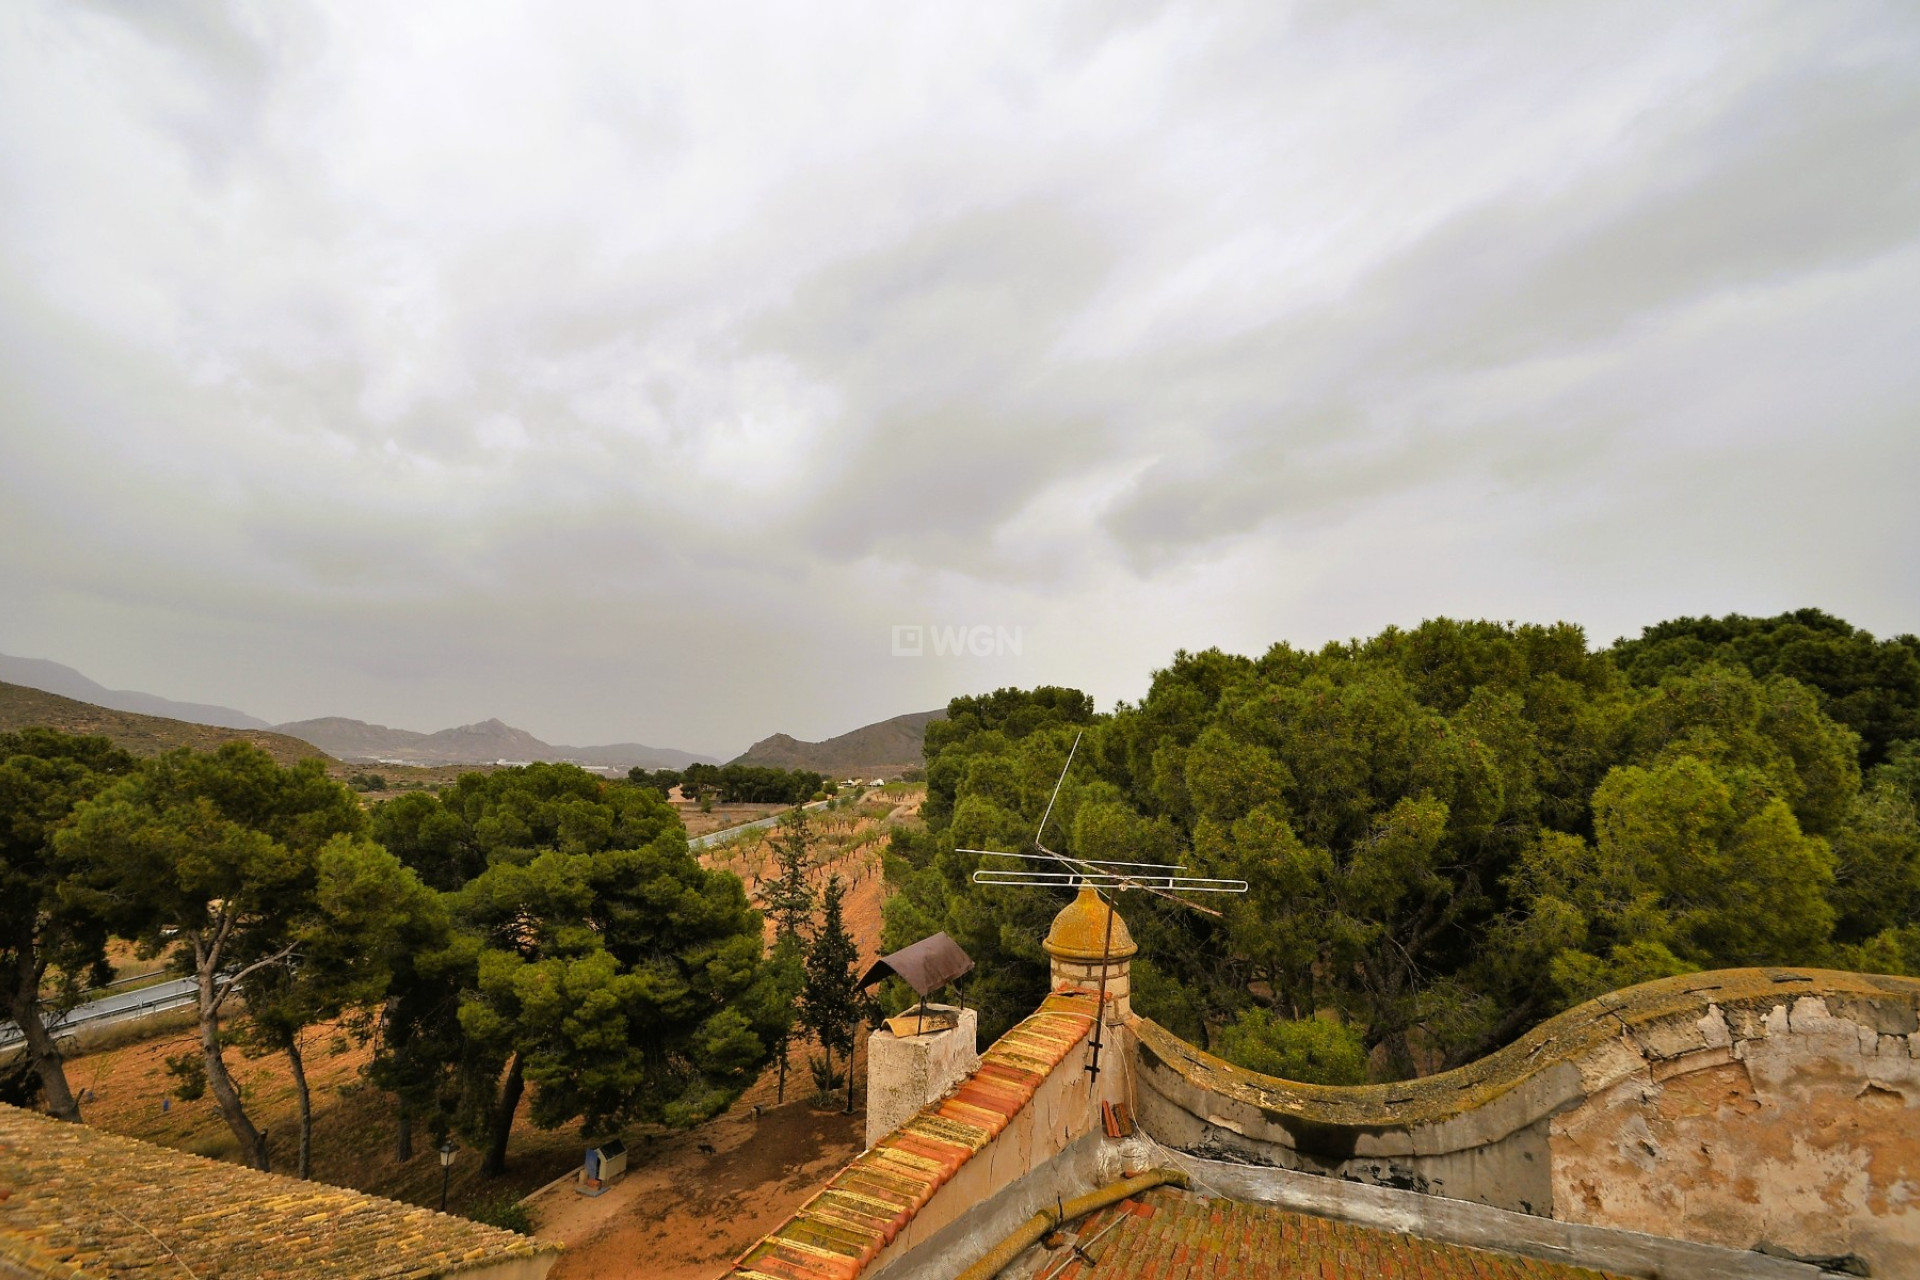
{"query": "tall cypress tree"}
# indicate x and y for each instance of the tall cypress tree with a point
(789, 900)
(829, 1003)
(788, 896)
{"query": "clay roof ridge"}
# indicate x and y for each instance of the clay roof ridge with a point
(826, 1236)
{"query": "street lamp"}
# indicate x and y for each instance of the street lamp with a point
(446, 1170)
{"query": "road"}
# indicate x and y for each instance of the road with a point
(715, 837)
(122, 1006)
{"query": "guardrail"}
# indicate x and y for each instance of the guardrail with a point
(728, 833)
(162, 997)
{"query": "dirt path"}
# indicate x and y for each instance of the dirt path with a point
(683, 1213)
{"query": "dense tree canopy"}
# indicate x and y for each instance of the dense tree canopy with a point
(736, 783)
(532, 926)
(511, 814)
(344, 946)
(1448, 832)
(590, 954)
(1871, 686)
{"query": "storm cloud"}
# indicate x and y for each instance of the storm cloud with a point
(631, 372)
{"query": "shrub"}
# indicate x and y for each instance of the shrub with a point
(826, 1081)
(1309, 1050)
(189, 1071)
(502, 1210)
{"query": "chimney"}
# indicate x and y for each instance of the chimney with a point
(917, 1058)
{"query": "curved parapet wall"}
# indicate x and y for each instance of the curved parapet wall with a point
(1739, 1107)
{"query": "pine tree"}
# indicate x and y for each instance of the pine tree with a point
(789, 900)
(788, 896)
(830, 1003)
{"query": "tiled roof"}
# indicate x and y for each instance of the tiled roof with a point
(80, 1204)
(858, 1213)
(1173, 1235)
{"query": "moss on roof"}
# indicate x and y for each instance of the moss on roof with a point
(1087, 929)
(80, 1204)
(1175, 1235)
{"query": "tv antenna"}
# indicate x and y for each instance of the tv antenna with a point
(1104, 878)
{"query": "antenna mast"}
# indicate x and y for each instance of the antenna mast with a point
(1102, 877)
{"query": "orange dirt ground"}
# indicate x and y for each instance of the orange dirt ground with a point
(680, 1211)
(699, 823)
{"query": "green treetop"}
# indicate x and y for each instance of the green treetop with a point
(215, 857)
(44, 775)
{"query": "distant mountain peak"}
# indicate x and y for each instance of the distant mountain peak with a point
(483, 727)
(885, 747)
(483, 742)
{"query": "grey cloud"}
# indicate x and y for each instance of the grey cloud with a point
(940, 348)
(627, 372)
(1800, 174)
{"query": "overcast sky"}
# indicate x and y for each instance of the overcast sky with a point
(632, 371)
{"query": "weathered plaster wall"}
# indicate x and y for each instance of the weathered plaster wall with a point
(1734, 1108)
(1611, 1250)
(1798, 1125)
(1086, 1163)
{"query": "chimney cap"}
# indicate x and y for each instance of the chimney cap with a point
(1080, 931)
(926, 965)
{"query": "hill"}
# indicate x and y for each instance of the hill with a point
(352, 739)
(487, 740)
(52, 677)
(482, 743)
(624, 755)
(143, 735)
(884, 748)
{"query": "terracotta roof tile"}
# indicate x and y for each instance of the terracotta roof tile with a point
(87, 1205)
(1173, 1235)
(864, 1207)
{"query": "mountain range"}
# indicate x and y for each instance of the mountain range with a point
(483, 743)
(344, 739)
(83, 705)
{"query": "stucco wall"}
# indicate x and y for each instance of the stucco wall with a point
(1734, 1108)
(1799, 1126)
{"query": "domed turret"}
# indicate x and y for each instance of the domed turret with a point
(1080, 931)
(1078, 941)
